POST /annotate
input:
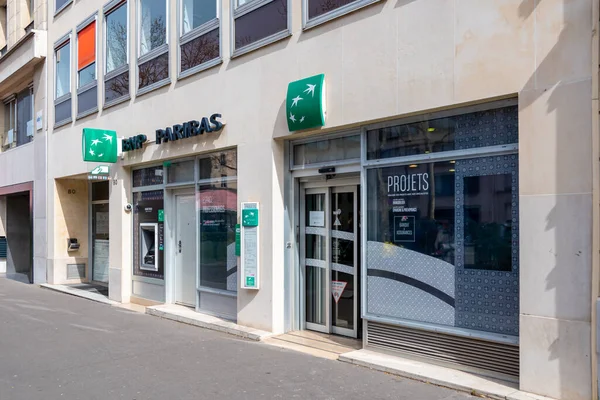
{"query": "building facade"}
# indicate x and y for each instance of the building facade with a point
(419, 174)
(23, 147)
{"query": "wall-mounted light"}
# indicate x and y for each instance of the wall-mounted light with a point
(452, 170)
(430, 129)
(413, 166)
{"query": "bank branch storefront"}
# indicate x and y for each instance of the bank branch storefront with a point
(409, 236)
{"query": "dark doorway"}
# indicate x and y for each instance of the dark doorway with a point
(19, 237)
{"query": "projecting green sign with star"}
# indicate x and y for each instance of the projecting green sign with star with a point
(99, 145)
(305, 103)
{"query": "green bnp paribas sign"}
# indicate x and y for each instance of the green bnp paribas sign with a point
(99, 145)
(305, 103)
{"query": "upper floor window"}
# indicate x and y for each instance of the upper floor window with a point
(257, 23)
(87, 87)
(61, 5)
(318, 11)
(3, 30)
(200, 36)
(153, 62)
(18, 119)
(116, 39)
(62, 81)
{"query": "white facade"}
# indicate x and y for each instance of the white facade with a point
(385, 62)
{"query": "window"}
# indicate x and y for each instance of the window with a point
(442, 228)
(318, 11)
(3, 30)
(61, 5)
(257, 23)
(153, 51)
(10, 117)
(200, 38)
(87, 88)
(116, 78)
(18, 119)
(62, 95)
(217, 200)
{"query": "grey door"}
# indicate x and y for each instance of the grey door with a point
(185, 258)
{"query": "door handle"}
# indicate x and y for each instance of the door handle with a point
(179, 245)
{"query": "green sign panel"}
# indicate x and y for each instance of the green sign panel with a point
(99, 145)
(250, 281)
(305, 103)
(250, 217)
(238, 240)
(161, 215)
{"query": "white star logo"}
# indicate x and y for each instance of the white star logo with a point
(108, 138)
(95, 142)
(295, 101)
(310, 89)
(91, 152)
(302, 119)
(292, 118)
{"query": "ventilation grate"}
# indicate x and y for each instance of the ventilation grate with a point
(468, 354)
(3, 247)
(75, 271)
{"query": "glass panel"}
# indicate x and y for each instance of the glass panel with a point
(218, 216)
(322, 151)
(153, 25)
(442, 240)
(87, 75)
(197, 12)
(60, 3)
(488, 222)
(342, 311)
(116, 87)
(154, 70)
(100, 191)
(200, 50)
(24, 117)
(62, 111)
(261, 23)
(63, 70)
(182, 171)
(148, 176)
(342, 258)
(315, 295)
(218, 165)
(478, 129)
(87, 100)
(100, 240)
(146, 209)
(116, 38)
(320, 7)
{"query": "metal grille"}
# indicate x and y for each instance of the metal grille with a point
(75, 271)
(474, 355)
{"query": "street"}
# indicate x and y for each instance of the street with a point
(56, 346)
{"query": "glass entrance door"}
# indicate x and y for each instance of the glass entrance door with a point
(329, 259)
(100, 231)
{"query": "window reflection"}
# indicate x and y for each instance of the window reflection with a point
(154, 71)
(200, 50)
(261, 23)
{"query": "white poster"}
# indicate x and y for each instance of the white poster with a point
(102, 223)
(316, 218)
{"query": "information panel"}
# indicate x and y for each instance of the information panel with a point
(250, 240)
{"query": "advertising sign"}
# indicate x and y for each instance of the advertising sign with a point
(249, 246)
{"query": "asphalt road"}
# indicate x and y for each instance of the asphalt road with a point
(55, 346)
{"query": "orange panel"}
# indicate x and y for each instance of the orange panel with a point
(86, 46)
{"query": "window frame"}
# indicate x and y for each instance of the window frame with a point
(65, 40)
(246, 8)
(333, 14)
(11, 103)
(94, 84)
(152, 54)
(107, 9)
(184, 38)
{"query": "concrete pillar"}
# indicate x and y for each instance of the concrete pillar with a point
(119, 273)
